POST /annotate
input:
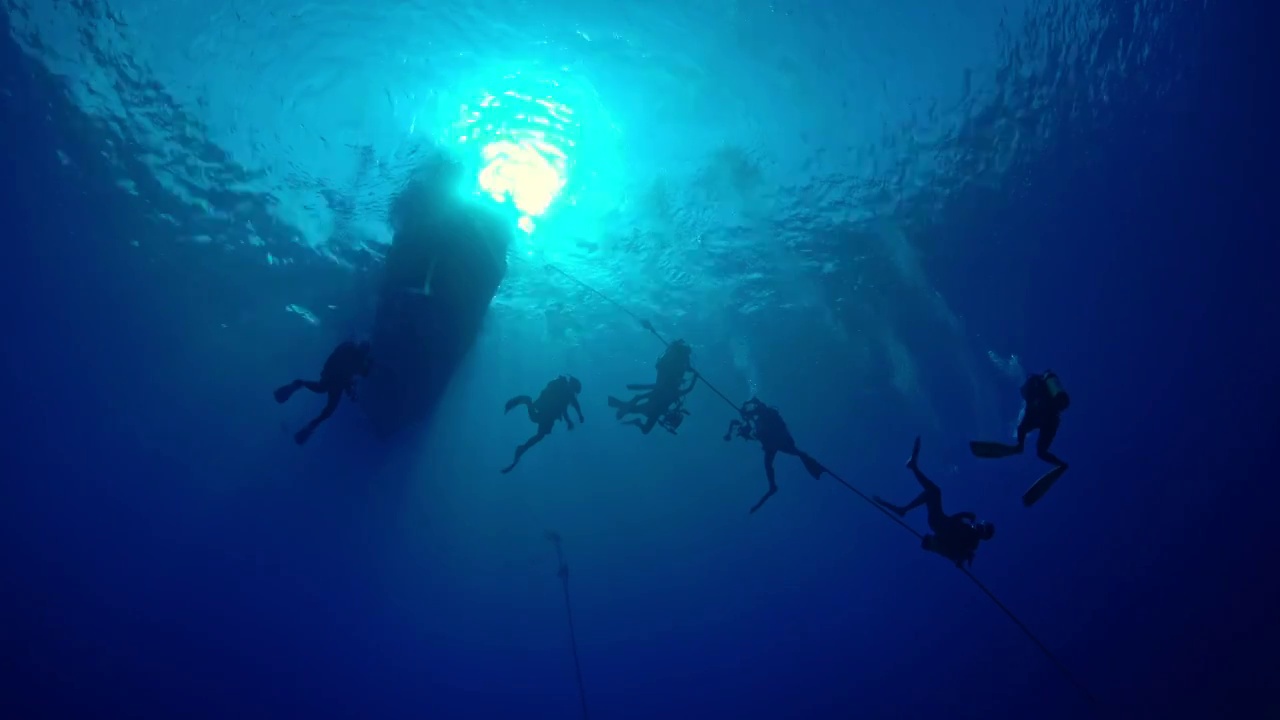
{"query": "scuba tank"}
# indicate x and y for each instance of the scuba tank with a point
(677, 351)
(1045, 387)
(1059, 400)
(1052, 382)
(676, 358)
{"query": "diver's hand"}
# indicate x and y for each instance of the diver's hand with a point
(581, 419)
(569, 425)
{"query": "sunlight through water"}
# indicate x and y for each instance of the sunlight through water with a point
(525, 147)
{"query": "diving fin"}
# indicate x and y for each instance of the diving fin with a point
(284, 392)
(1041, 486)
(517, 400)
(623, 408)
(814, 467)
(993, 449)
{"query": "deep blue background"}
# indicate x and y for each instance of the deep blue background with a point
(1139, 261)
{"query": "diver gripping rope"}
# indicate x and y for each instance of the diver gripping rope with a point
(647, 326)
(563, 573)
(1053, 659)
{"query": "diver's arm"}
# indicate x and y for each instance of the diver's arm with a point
(574, 402)
(692, 384)
(728, 434)
(966, 515)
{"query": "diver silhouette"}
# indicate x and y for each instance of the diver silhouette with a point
(662, 402)
(553, 404)
(954, 537)
(338, 376)
(1044, 401)
(764, 423)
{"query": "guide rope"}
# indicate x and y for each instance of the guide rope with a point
(563, 574)
(1053, 659)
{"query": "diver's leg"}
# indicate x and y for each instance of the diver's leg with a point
(517, 401)
(335, 397)
(321, 387)
(991, 450)
(650, 422)
(769, 455)
(925, 482)
(1025, 426)
(930, 493)
(921, 499)
(284, 392)
(543, 431)
(897, 509)
(1047, 432)
(617, 404)
(811, 465)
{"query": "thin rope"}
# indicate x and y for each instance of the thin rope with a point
(883, 510)
(1053, 659)
(647, 326)
(563, 573)
(1071, 678)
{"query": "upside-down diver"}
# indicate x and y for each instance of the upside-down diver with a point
(954, 537)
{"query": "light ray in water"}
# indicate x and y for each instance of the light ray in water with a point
(522, 147)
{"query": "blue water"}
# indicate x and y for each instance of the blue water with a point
(875, 219)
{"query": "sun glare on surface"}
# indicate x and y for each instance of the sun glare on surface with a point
(524, 145)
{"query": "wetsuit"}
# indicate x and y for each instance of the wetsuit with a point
(763, 423)
(663, 405)
(337, 377)
(1042, 413)
(553, 404)
(954, 537)
(661, 396)
(1044, 401)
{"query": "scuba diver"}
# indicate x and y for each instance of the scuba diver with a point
(553, 404)
(662, 402)
(662, 406)
(1044, 401)
(338, 376)
(954, 537)
(764, 423)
